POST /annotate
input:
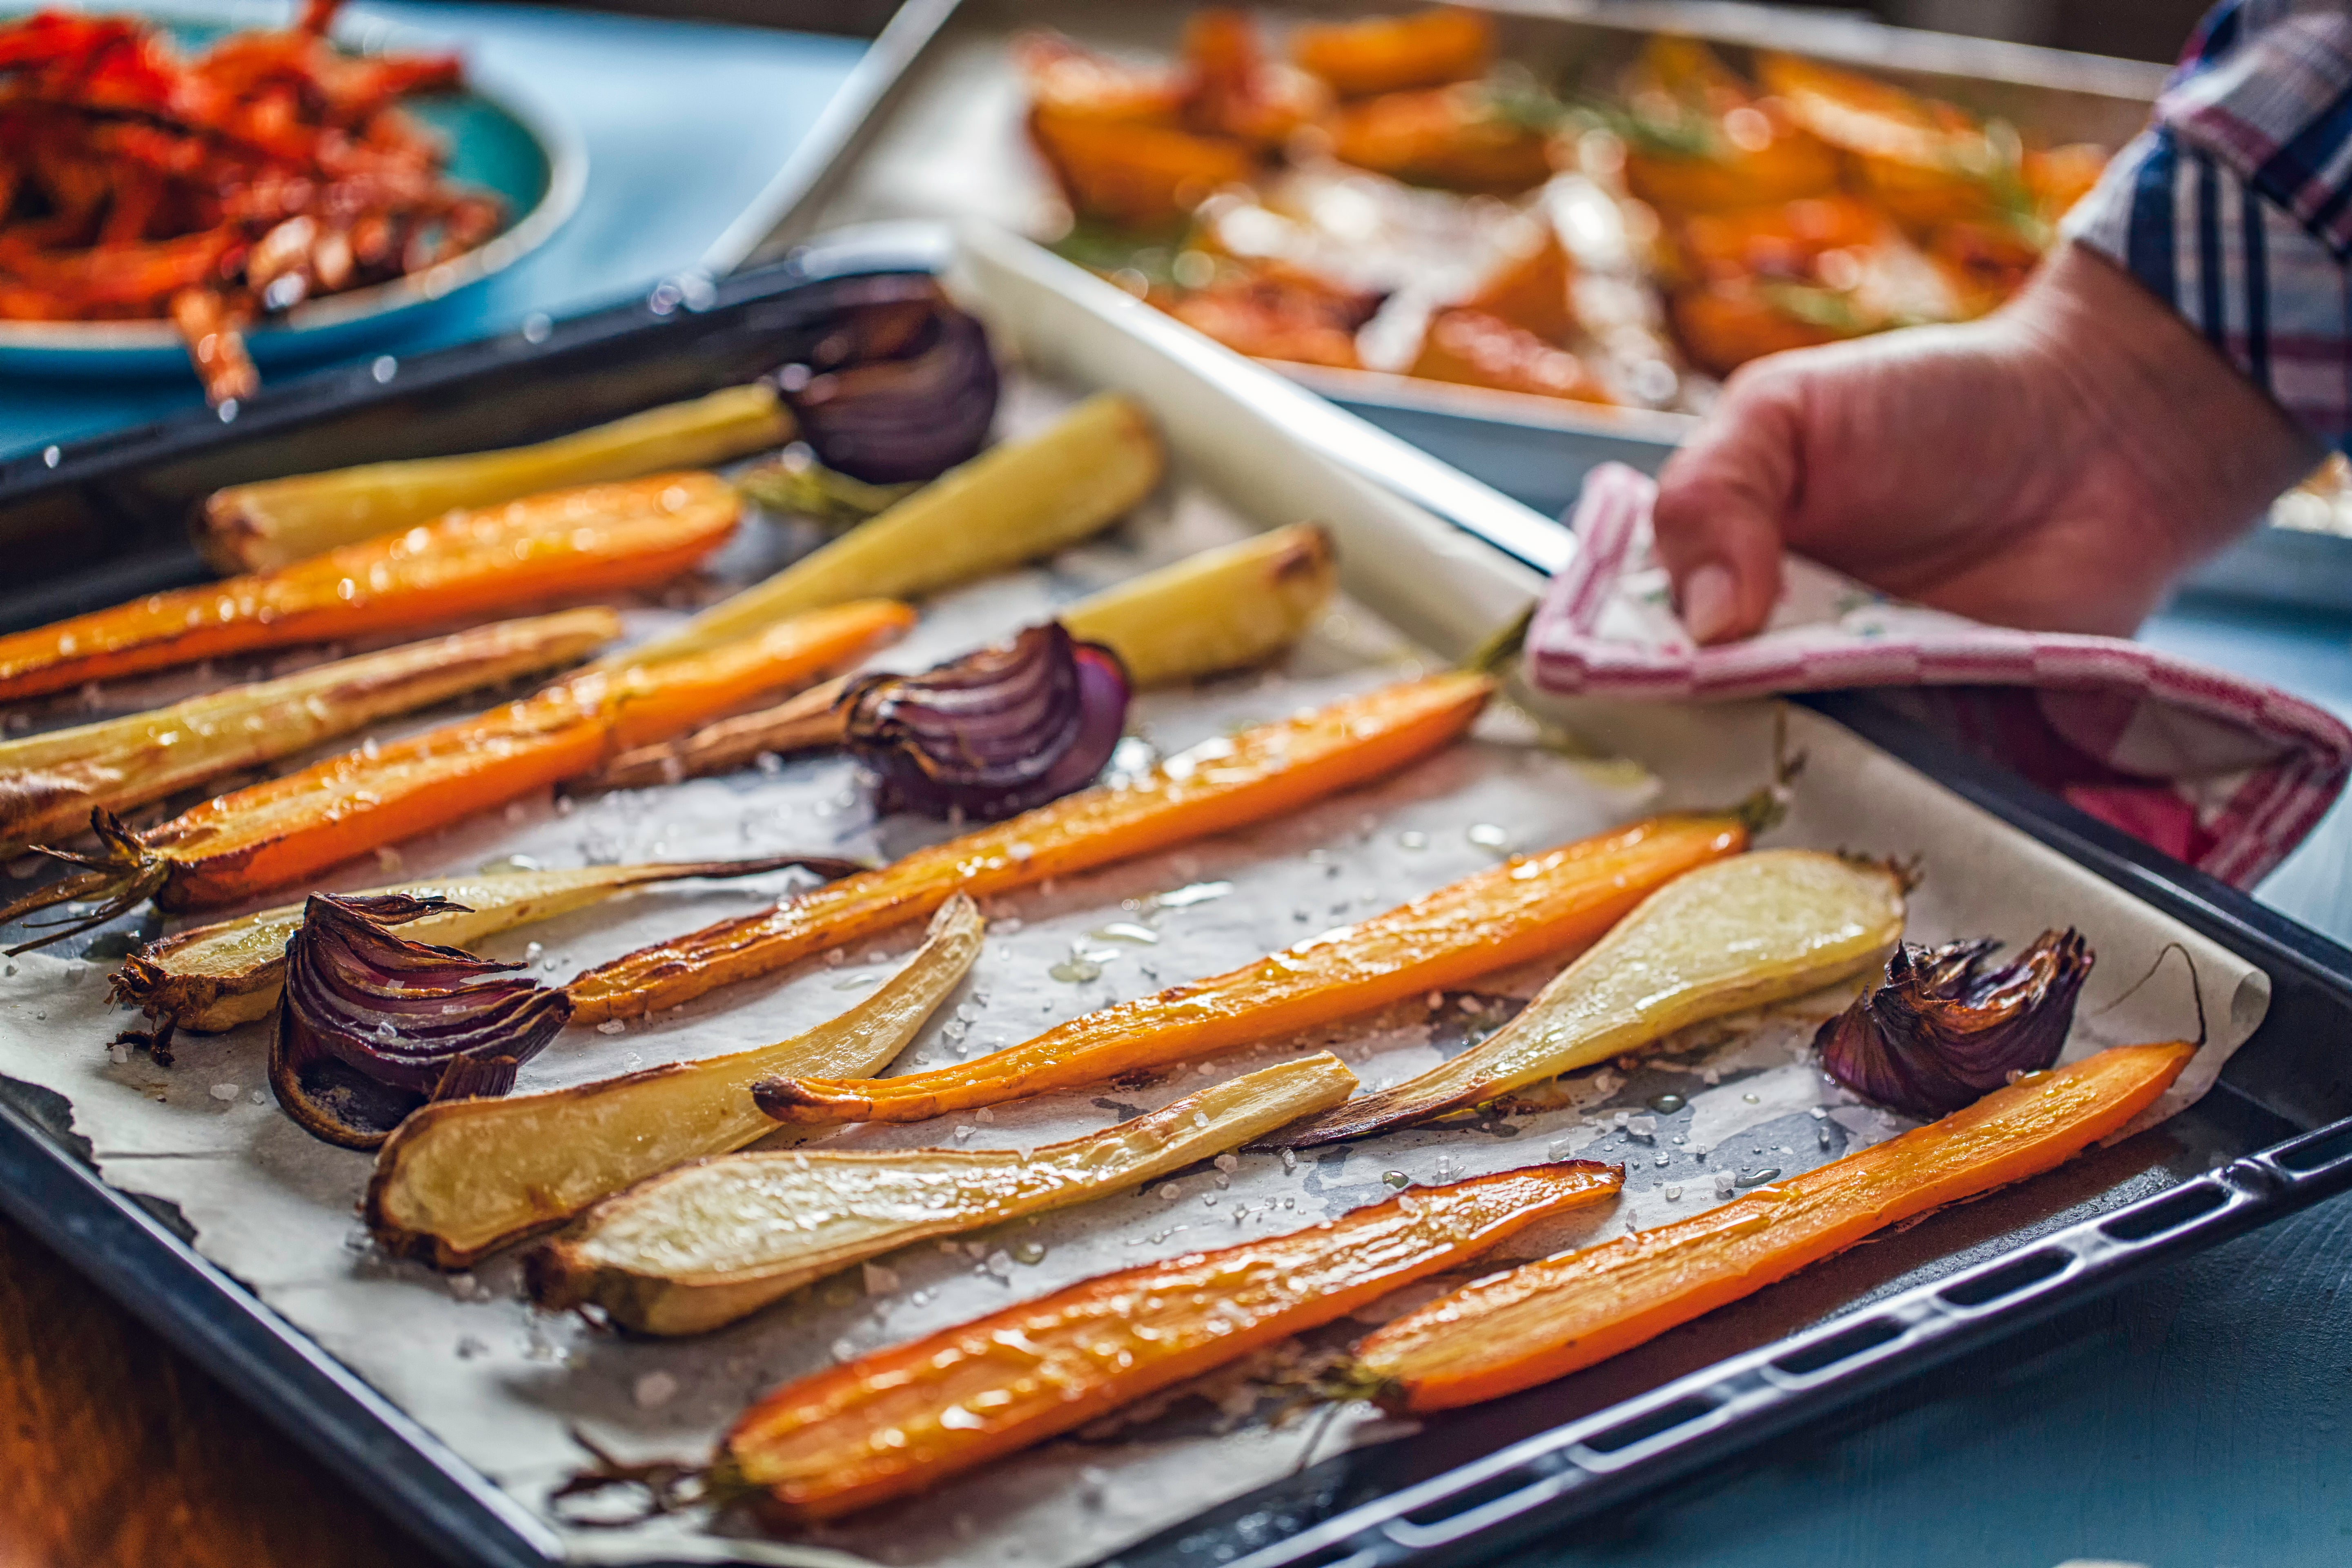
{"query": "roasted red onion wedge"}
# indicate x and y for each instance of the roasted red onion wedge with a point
(374, 1026)
(1943, 1031)
(903, 387)
(993, 733)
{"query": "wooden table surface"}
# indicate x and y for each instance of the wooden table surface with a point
(116, 1451)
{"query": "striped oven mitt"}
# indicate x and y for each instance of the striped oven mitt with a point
(2222, 772)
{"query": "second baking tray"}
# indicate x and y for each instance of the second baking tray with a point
(2270, 1137)
(944, 142)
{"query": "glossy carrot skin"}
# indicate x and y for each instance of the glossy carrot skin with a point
(1536, 907)
(1260, 773)
(1546, 1319)
(587, 540)
(898, 1420)
(285, 829)
(50, 784)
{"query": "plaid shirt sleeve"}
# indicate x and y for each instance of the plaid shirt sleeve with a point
(2235, 205)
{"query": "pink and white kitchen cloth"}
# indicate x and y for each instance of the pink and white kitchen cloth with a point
(2219, 771)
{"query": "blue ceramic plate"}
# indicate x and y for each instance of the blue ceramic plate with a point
(501, 137)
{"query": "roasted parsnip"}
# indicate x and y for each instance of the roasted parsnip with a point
(1534, 908)
(468, 563)
(50, 784)
(216, 976)
(899, 1420)
(1546, 1320)
(704, 1246)
(1221, 610)
(1013, 504)
(271, 524)
(461, 1177)
(1743, 933)
(1261, 772)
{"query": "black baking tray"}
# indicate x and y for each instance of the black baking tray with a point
(106, 519)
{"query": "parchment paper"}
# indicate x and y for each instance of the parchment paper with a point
(502, 1385)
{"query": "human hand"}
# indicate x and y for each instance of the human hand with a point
(2053, 466)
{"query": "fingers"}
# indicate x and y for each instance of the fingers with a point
(1724, 503)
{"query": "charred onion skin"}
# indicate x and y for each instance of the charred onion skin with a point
(374, 1026)
(1942, 1031)
(993, 733)
(903, 386)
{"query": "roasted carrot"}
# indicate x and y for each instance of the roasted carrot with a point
(899, 1420)
(1533, 907)
(50, 784)
(1262, 772)
(1546, 1320)
(1391, 54)
(582, 541)
(282, 830)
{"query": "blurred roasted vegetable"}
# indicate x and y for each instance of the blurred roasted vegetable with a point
(1943, 1030)
(50, 784)
(564, 543)
(1473, 349)
(212, 186)
(1742, 933)
(797, 483)
(895, 1421)
(1545, 1320)
(1389, 54)
(1233, 89)
(1136, 175)
(1274, 310)
(273, 524)
(700, 1248)
(901, 386)
(1213, 613)
(1460, 138)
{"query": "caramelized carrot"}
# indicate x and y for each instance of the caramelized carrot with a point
(899, 1420)
(1389, 54)
(582, 541)
(1533, 907)
(50, 784)
(1546, 1320)
(282, 830)
(1224, 784)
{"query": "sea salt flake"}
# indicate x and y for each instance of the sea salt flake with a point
(225, 1092)
(611, 1027)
